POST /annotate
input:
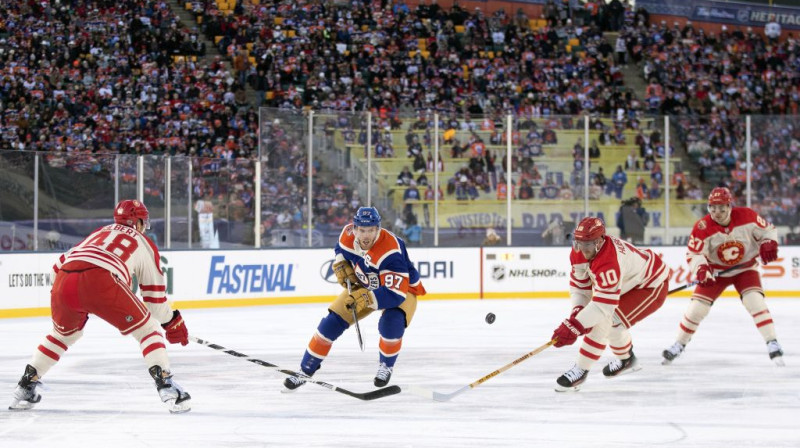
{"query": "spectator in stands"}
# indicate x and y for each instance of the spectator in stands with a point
(405, 177)
(525, 190)
(618, 181)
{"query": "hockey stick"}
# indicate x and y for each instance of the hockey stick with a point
(366, 396)
(690, 284)
(439, 396)
(355, 319)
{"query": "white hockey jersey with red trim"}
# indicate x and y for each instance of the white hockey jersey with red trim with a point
(617, 268)
(125, 252)
(737, 243)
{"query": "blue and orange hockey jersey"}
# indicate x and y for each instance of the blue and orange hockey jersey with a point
(385, 269)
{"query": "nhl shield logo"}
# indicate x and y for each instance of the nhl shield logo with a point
(498, 272)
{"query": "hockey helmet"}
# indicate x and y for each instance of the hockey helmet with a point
(129, 211)
(589, 229)
(367, 217)
(720, 196)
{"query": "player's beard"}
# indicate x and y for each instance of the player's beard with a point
(366, 245)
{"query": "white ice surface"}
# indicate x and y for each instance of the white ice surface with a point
(722, 392)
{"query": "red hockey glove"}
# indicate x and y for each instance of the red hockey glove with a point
(705, 276)
(567, 333)
(176, 329)
(768, 251)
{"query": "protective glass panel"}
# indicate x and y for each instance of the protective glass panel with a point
(223, 193)
(76, 195)
(154, 172)
(16, 203)
(548, 178)
(283, 152)
(340, 173)
(180, 205)
(775, 187)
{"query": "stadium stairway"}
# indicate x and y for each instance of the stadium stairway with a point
(189, 21)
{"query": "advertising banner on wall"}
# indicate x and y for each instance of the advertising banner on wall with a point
(251, 277)
(245, 278)
(733, 13)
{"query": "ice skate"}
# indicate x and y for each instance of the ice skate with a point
(571, 379)
(177, 400)
(775, 353)
(383, 375)
(290, 384)
(671, 353)
(25, 395)
(622, 366)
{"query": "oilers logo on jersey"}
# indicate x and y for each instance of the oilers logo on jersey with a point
(371, 280)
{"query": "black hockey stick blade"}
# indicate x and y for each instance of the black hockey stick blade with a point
(366, 396)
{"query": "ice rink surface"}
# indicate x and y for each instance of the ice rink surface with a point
(722, 392)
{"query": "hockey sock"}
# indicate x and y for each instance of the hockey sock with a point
(697, 311)
(757, 307)
(391, 326)
(593, 345)
(329, 329)
(51, 349)
(151, 342)
(619, 339)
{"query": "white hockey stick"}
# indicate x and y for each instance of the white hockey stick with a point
(439, 396)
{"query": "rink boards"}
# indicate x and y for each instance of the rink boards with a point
(206, 279)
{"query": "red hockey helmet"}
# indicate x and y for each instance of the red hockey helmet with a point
(720, 196)
(589, 229)
(129, 211)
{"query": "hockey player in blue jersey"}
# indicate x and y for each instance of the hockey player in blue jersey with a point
(382, 277)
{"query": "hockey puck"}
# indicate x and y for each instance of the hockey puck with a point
(490, 318)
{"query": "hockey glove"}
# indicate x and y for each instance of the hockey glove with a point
(768, 251)
(344, 270)
(176, 329)
(705, 276)
(567, 333)
(361, 299)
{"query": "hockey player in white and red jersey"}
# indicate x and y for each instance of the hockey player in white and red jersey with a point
(613, 285)
(729, 237)
(94, 277)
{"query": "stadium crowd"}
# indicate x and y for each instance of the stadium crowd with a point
(88, 78)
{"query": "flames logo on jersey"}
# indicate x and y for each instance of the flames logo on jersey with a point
(730, 252)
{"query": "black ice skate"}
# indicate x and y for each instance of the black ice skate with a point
(775, 353)
(177, 400)
(291, 383)
(383, 375)
(671, 353)
(622, 366)
(25, 395)
(571, 379)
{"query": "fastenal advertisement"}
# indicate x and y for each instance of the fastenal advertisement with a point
(246, 278)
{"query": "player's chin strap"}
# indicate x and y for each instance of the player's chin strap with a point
(372, 395)
(439, 396)
(690, 284)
